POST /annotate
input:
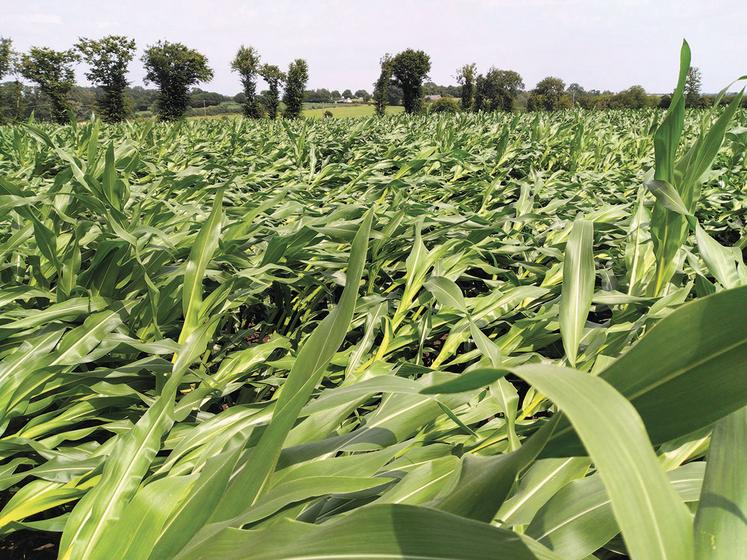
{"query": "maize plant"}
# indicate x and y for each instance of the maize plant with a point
(455, 336)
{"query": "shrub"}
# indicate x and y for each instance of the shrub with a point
(444, 105)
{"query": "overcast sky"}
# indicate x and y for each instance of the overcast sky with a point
(601, 44)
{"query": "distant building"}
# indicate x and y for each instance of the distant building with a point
(432, 97)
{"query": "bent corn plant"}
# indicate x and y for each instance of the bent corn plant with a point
(464, 336)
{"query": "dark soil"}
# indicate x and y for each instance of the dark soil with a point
(29, 545)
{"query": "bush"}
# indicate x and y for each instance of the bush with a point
(444, 105)
(224, 108)
(328, 114)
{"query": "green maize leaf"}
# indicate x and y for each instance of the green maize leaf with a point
(654, 522)
(392, 531)
(98, 511)
(680, 390)
(720, 522)
(579, 520)
(446, 292)
(726, 264)
(578, 287)
(303, 377)
(202, 251)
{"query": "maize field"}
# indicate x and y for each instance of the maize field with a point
(470, 336)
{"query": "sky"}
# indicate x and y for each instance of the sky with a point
(601, 44)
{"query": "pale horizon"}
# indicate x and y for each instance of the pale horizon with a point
(605, 46)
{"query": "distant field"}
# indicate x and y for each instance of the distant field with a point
(350, 111)
(317, 112)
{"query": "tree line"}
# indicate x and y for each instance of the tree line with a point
(504, 90)
(173, 67)
(176, 70)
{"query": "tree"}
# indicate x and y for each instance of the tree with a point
(317, 96)
(362, 94)
(635, 97)
(298, 75)
(335, 95)
(466, 78)
(6, 56)
(548, 95)
(274, 77)
(247, 64)
(430, 88)
(692, 87)
(174, 68)
(510, 85)
(143, 99)
(347, 94)
(410, 68)
(577, 93)
(381, 86)
(15, 101)
(497, 90)
(201, 98)
(108, 59)
(52, 71)
(6, 66)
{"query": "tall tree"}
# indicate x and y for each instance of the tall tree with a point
(692, 87)
(274, 77)
(548, 95)
(381, 86)
(347, 94)
(466, 78)
(6, 65)
(6, 56)
(497, 90)
(174, 68)
(362, 94)
(298, 75)
(577, 93)
(247, 64)
(52, 71)
(481, 98)
(410, 69)
(108, 59)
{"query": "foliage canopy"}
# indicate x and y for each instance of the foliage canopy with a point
(108, 59)
(410, 69)
(295, 84)
(247, 63)
(52, 71)
(174, 68)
